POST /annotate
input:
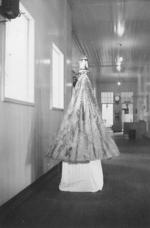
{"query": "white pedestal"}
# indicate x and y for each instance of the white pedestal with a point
(82, 177)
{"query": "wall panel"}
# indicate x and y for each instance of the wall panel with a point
(144, 97)
(113, 87)
(26, 132)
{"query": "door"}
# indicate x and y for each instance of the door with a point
(107, 114)
(127, 113)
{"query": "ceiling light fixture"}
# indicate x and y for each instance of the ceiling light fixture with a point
(120, 29)
(120, 59)
(118, 65)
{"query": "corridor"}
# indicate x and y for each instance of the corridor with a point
(124, 201)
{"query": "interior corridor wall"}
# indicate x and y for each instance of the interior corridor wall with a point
(113, 87)
(26, 132)
(143, 98)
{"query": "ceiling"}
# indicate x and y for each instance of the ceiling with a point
(110, 29)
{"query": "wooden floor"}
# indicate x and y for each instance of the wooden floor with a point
(124, 201)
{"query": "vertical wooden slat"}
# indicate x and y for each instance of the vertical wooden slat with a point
(25, 131)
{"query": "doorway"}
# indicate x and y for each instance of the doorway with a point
(127, 113)
(107, 115)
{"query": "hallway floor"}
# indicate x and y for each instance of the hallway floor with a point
(124, 201)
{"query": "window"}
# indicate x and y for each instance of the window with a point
(107, 98)
(19, 59)
(57, 78)
(126, 97)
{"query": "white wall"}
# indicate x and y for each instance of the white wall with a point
(144, 97)
(26, 132)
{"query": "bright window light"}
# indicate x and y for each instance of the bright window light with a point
(57, 78)
(19, 59)
(107, 98)
(126, 97)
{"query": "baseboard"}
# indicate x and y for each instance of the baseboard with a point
(28, 191)
(146, 137)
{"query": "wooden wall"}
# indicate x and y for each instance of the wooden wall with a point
(26, 132)
(144, 97)
(113, 87)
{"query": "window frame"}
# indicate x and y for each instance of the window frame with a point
(62, 75)
(30, 62)
(127, 97)
(109, 97)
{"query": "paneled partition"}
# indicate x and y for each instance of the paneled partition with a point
(125, 87)
(26, 131)
(143, 99)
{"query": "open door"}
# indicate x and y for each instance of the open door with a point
(127, 113)
(107, 115)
